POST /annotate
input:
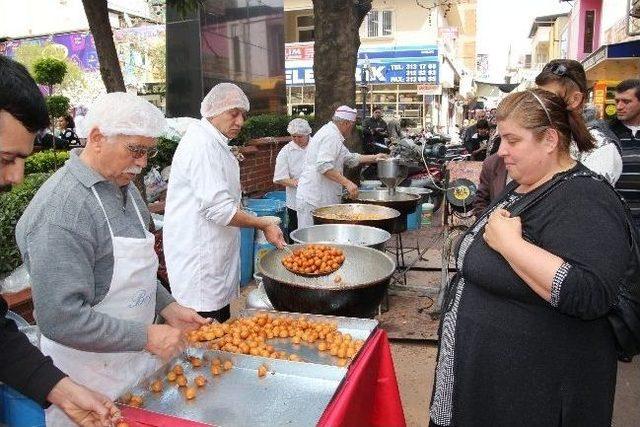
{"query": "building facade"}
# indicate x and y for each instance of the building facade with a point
(413, 59)
(605, 36)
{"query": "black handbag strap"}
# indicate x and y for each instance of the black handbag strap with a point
(545, 189)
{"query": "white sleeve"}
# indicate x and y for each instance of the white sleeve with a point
(210, 184)
(606, 161)
(281, 170)
(327, 154)
(351, 159)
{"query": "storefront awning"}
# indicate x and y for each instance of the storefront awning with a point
(618, 61)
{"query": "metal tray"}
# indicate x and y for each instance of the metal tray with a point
(292, 393)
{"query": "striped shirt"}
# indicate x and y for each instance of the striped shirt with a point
(629, 183)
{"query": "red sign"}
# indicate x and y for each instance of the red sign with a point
(298, 51)
(448, 32)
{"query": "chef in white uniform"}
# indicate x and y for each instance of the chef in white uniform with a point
(93, 266)
(289, 165)
(202, 220)
(322, 176)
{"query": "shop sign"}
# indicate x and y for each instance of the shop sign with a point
(595, 59)
(429, 89)
(386, 73)
(298, 51)
(610, 110)
(447, 33)
(394, 64)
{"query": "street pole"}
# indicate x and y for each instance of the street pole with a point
(364, 86)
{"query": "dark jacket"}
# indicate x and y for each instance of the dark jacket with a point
(493, 179)
(375, 129)
(629, 183)
(22, 366)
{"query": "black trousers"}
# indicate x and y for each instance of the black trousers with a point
(221, 315)
(293, 223)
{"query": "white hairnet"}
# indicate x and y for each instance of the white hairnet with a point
(299, 127)
(120, 113)
(223, 97)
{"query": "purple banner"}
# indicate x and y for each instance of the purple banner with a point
(80, 47)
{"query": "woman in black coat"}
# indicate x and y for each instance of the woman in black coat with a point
(524, 338)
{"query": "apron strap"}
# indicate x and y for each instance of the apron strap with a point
(135, 205)
(95, 193)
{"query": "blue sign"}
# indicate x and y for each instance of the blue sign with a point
(412, 64)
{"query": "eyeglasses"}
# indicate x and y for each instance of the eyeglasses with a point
(561, 70)
(137, 151)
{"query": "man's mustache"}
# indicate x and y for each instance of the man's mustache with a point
(134, 170)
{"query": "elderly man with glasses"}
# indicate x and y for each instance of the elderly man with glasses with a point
(85, 241)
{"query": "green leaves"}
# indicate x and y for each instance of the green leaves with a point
(45, 161)
(166, 150)
(57, 105)
(267, 125)
(185, 7)
(49, 71)
(12, 205)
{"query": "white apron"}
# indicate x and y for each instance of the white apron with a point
(131, 296)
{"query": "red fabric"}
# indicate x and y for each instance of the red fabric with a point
(369, 395)
(136, 417)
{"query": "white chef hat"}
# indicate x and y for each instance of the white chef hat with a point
(299, 127)
(120, 113)
(223, 97)
(346, 113)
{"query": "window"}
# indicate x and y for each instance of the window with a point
(379, 23)
(305, 28)
(589, 24)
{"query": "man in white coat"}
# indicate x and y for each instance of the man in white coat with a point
(322, 176)
(203, 217)
(289, 165)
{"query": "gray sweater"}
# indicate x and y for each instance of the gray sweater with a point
(65, 243)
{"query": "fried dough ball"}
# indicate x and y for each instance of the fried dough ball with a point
(200, 381)
(215, 370)
(178, 370)
(262, 371)
(122, 424)
(156, 386)
(171, 376)
(196, 362)
(342, 362)
(181, 381)
(314, 259)
(190, 393)
(136, 401)
(227, 365)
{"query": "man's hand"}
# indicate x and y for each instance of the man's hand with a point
(273, 234)
(352, 189)
(381, 156)
(181, 317)
(165, 341)
(85, 407)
